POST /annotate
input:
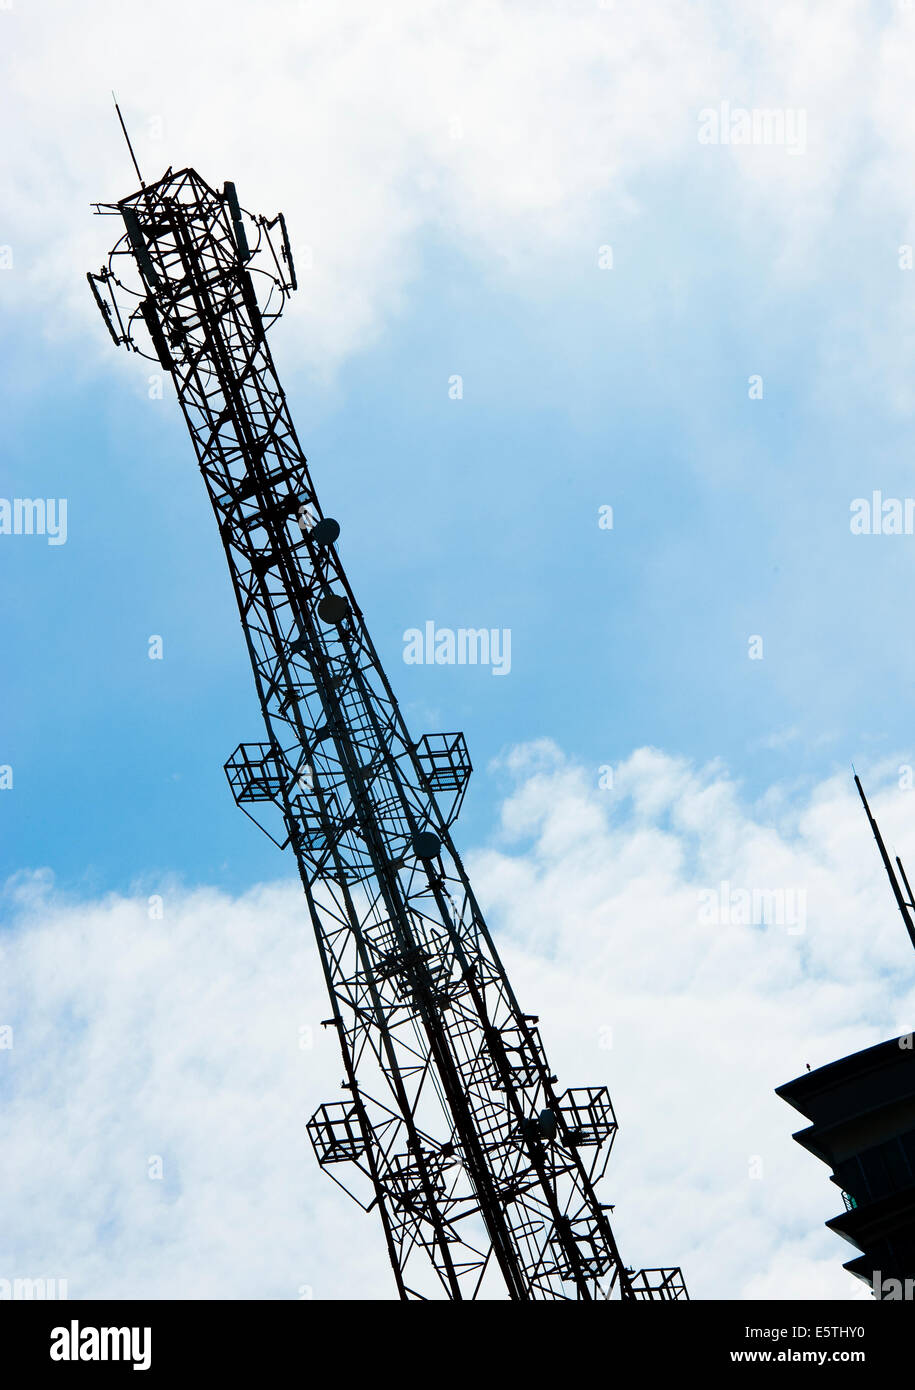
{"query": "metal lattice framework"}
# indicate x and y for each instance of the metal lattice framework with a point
(452, 1126)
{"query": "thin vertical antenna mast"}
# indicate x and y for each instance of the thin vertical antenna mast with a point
(127, 138)
(908, 889)
(894, 882)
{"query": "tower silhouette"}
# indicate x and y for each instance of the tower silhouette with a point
(451, 1126)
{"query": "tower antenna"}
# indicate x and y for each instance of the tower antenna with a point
(451, 1124)
(127, 138)
(894, 882)
(908, 887)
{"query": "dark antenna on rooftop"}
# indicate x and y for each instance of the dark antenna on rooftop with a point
(127, 138)
(894, 882)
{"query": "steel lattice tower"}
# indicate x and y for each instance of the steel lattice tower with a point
(452, 1125)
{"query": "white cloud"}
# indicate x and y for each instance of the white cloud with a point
(177, 1038)
(705, 1020)
(180, 1037)
(510, 132)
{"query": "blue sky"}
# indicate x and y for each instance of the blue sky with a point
(626, 387)
(449, 180)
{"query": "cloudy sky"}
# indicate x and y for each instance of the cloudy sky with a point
(712, 338)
